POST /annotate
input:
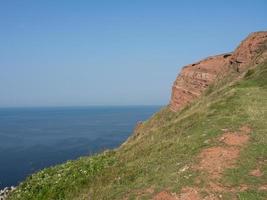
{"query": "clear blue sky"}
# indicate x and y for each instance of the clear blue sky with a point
(59, 52)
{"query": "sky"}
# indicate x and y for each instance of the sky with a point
(119, 52)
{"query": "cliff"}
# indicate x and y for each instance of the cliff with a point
(214, 149)
(195, 78)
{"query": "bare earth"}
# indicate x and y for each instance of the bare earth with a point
(212, 162)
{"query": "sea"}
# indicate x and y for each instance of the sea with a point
(34, 138)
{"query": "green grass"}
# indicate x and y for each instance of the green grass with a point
(163, 146)
(61, 181)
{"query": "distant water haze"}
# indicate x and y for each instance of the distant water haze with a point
(34, 138)
(56, 53)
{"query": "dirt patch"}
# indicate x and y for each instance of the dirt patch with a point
(234, 139)
(263, 188)
(242, 188)
(164, 195)
(189, 193)
(215, 159)
(238, 138)
(256, 172)
(219, 188)
(245, 129)
(216, 187)
(210, 197)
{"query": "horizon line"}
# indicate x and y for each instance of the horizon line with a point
(72, 106)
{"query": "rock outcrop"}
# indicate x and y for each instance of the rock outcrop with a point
(5, 192)
(195, 78)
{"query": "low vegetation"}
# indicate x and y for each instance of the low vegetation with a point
(160, 156)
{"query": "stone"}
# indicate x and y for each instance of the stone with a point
(195, 78)
(5, 192)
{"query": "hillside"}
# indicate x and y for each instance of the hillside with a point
(212, 146)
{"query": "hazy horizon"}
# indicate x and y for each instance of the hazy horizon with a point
(112, 53)
(79, 106)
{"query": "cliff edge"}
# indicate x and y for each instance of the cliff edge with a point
(195, 78)
(214, 149)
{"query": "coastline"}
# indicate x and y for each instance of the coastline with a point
(4, 192)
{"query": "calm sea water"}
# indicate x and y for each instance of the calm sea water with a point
(34, 138)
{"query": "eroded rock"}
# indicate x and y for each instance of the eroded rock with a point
(195, 78)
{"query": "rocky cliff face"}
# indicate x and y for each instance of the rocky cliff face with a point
(195, 78)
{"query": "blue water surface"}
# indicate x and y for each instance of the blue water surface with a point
(34, 138)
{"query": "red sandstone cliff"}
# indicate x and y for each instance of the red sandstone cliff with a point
(195, 78)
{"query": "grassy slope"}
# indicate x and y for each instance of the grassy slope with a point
(165, 144)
